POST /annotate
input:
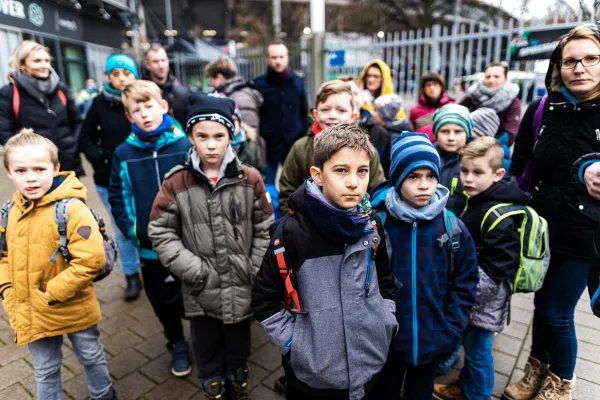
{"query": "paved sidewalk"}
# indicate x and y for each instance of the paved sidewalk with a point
(139, 362)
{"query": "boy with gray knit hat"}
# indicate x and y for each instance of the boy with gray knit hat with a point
(387, 107)
(486, 123)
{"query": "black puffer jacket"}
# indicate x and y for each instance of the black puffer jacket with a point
(105, 127)
(47, 115)
(177, 96)
(381, 140)
(568, 132)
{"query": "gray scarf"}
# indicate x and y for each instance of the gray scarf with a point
(497, 99)
(45, 86)
(405, 213)
(227, 158)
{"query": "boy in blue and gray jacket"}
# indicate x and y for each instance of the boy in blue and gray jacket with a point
(434, 262)
(156, 145)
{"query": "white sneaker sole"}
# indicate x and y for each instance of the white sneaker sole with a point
(181, 374)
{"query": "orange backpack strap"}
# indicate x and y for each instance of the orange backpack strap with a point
(16, 103)
(292, 301)
(62, 97)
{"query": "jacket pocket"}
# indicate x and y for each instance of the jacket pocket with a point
(8, 304)
(317, 347)
(57, 316)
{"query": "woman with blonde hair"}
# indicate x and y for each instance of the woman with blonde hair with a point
(561, 156)
(36, 98)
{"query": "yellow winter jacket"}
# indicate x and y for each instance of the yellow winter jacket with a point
(26, 271)
(387, 85)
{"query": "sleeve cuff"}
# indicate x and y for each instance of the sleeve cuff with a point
(131, 232)
(582, 169)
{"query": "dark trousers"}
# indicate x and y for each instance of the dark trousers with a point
(418, 380)
(297, 390)
(164, 292)
(219, 347)
(554, 336)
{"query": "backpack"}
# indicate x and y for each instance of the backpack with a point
(61, 217)
(526, 176)
(534, 257)
(16, 103)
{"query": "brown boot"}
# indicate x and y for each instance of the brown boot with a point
(530, 384)
(452, 391)
(555, 388)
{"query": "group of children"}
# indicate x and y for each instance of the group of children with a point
(364, 295)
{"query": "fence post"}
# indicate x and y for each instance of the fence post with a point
(317, 61)
(435, 47)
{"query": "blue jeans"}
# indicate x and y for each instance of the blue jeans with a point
(47, 359)
(554, 337)
(128, 254)
(478, 371)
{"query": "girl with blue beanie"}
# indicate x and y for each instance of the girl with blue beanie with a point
(434, 262)
(105, 127)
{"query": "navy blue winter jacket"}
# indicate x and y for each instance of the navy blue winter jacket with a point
(284, 113)
(136, 177)
(432, 307)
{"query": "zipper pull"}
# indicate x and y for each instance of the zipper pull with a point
(155, 154)
(598, 135)
(51, 112)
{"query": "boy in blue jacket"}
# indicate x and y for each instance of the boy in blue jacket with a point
(156, 145)
(434, 262)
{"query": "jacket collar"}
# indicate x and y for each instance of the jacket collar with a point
(167, 138)
(231, 169)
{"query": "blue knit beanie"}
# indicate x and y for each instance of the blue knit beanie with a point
(121, 61)
(411, 151)
(453, 114)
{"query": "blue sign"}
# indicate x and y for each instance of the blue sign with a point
(337, 58)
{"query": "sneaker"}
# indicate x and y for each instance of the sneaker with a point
(531, 383)
(214, 388)
(555, 388)
(134, 287)
(446, 366)
(238, 380)
(451, 391)
(180, 359)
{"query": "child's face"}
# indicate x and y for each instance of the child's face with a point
(337, 109)
(419, 187)
(119, 78)
(451, 138)
(32, 171)
(344, 178)
(476, 175)
(210, 139)
(147, 115)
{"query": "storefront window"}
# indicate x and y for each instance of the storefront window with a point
(75, 66)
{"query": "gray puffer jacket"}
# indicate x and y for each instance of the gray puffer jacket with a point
(213, 236)
(493, 300)
(248, 99)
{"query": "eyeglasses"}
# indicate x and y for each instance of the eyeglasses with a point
(587, 61)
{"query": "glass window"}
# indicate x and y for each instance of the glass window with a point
(75, 66)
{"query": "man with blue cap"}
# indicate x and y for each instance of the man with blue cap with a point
(105, 127)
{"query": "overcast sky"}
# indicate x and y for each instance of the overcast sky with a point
(536, 7)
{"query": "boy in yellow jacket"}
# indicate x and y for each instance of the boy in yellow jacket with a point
(45, 300)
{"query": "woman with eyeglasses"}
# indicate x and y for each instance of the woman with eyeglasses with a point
(559, 164)
(497, 93)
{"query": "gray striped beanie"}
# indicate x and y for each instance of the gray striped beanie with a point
(485, 122)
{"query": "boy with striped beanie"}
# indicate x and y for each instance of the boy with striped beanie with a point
(452, 127)
(435, 266)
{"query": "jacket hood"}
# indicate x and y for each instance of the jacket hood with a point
(505, 191)
(386, 84)
(553, 72)
(70, 187)
(168, 137)
(236, 83)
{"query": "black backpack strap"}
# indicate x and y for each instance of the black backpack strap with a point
(61, 217)
(5, 210)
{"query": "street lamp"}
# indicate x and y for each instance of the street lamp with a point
(380, 34)
(307, 31)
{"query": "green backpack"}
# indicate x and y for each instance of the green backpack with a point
(535, 254)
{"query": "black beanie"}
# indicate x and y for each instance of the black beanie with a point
(210, 108)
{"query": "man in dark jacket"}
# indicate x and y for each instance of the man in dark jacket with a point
(283, 116)
(157, 69)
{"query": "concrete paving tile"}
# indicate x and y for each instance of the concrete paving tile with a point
(587, 320)
(10, 353)
(118, 343)
(504, 363)
(587, 370)
(588, 334)
(588, 352)
(158, 370)
(133, 386)
(500, 383)
(153, 347)
(116, 324)
(524, 302)
(124, 363)
(516, 330)
(29, 382)
(147, 328)
(519, 315)
(586, 390)
(263, 393)
(14, 372)
(173, 389)
(270, 380)
(257, 375)
(15, 392)
(267, 357)
(115, 307)
(258, 335)
(77, 388)
(508, 344)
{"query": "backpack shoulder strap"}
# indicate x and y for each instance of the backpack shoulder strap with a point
(292, 301)
(537, 117)
(453, 232)
(5, 210)
(62, 97)
(497, 214)
(16, 102)
(61, 217)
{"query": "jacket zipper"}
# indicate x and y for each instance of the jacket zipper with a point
(155, 154)
(369, 272)
(414, 293)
